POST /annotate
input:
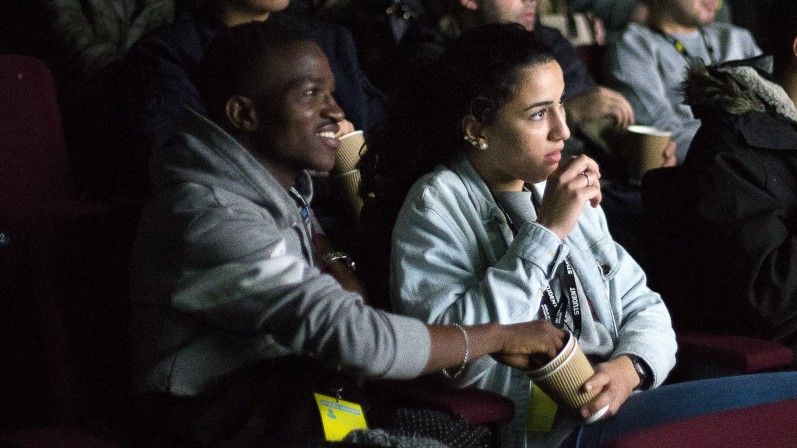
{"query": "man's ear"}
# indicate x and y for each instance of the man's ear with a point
(241, 113)
(472, 128)
(471, 5)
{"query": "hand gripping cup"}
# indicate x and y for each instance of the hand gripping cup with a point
(562, 378)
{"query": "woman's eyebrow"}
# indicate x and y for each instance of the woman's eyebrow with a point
(538, 104)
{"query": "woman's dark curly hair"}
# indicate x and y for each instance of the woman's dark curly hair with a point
(423, 128)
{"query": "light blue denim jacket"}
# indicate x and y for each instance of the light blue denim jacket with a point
(454, 258)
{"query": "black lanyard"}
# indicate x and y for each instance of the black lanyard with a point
(680, 48)
(555, 309)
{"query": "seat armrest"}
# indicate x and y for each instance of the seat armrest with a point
(738, 353)
(476, 406)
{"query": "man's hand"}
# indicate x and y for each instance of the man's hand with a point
(528, 345)
(597, 103)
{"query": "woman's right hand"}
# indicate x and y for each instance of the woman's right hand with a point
(572, 184)
(527, 345)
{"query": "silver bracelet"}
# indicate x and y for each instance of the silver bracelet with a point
(461, 369)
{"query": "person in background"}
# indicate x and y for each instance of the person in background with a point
(162, 64)
(741, 205)
(648, 63)
(617, 14)
(232, 314)
(584, 99)
(87, 35)
(495, 225)
(82, 41)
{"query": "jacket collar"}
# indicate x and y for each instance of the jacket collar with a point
(207, 155)
(478, 192)
(763, 112)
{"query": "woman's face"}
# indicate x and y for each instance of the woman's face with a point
(526, 139)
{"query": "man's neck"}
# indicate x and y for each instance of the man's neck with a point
(660, 20)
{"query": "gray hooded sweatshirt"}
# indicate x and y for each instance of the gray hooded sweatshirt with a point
(223, 276)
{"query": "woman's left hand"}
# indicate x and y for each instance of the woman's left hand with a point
(616, 379)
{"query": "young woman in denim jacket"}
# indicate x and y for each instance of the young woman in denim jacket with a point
(496, 226)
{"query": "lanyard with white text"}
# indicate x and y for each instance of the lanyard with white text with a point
(555, 309)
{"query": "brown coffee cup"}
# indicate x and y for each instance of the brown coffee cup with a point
(642, 149)
(345, 177)
(563, 383)
(557, 360)
(348, 154)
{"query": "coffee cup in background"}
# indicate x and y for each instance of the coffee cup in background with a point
(642, 149)
(564, 376)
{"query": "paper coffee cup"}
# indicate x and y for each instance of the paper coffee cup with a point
(557, 360)
(563, 383)
(348, 154)
(345, 177)
(643, 150)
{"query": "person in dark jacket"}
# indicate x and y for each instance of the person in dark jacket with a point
(741, 172)
(160, 69)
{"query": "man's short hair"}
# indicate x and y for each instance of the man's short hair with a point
(234, 62)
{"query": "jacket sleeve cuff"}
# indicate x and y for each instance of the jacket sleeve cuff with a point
(539, 246)
(413, 346)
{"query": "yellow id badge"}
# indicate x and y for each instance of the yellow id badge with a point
(339, 417)
(541, 412)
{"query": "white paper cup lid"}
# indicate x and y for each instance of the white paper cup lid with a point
(596, 416)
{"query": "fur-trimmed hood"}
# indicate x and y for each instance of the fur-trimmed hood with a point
(737, 88)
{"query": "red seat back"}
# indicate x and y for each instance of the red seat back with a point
(34, 167)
